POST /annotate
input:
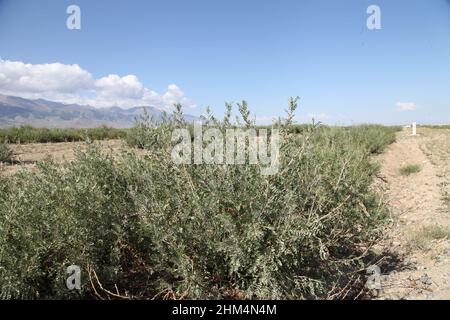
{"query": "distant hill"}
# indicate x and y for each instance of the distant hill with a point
(15, 111)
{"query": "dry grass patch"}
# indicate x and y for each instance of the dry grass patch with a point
(409, 169)
(422, 239)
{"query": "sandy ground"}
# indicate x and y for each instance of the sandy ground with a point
(418, 261)
(26, 155)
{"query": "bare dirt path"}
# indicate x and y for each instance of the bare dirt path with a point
(419, 237)
(26, 155)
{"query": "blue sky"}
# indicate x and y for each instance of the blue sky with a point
(212, 51)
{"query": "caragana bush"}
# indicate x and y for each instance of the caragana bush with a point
(5, 153)
(143, 227)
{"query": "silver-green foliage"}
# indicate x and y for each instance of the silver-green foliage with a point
(154, 229)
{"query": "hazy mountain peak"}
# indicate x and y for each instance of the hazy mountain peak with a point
(16, 111)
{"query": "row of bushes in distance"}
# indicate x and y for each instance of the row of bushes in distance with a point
(141, 227)
(28, 134)
(443, 126)
(373, 137)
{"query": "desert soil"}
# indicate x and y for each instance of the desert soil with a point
(26, 156)
(416, 252)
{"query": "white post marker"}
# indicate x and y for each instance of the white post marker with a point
(414, 128)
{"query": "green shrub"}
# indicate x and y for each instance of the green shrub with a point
(5, 152)
(28, 134)
(409, 169)
(374, 137)
(150, 228)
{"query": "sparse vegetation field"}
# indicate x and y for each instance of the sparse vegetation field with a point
(140, 226)
(28, 134)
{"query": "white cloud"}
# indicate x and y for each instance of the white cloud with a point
(116, 87)
(406, 106)
(72, 84)
(32, 79)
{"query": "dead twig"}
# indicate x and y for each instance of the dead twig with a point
(109, 293)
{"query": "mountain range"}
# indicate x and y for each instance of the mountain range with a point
(16, 111)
